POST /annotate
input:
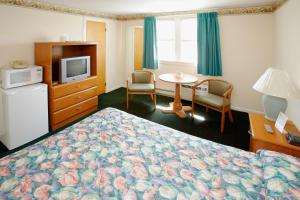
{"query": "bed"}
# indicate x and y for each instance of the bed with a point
(114, 155)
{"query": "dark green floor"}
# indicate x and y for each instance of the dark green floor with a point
(235, 134)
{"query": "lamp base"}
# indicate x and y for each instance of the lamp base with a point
(273, 106)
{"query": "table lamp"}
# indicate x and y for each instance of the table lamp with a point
(277, 87)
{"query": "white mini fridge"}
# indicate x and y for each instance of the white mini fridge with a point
(23, 114)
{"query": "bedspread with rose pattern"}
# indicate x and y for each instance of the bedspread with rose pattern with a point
(115, 155)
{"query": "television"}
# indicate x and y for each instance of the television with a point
(74, 69)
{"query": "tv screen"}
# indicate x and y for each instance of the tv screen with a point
(76, 67)
(73, 69)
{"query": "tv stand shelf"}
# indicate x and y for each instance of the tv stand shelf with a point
(68, 101)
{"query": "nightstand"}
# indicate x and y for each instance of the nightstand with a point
(261, 139)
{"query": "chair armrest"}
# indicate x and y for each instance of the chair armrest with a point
(194, 88)
(129, 78)
(227, 94)
(154, 78)
(199, 83)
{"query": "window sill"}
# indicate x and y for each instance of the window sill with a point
(177, 63)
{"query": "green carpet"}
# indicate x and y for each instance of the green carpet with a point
(235, 134)
(206, 126)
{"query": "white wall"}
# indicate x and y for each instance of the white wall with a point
(247, 51)
(247, 43)
(287, 31)
(21, 27)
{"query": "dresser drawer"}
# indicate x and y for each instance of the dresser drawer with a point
(73, 118)
(69, 100)
(70, 88)
(66, 113)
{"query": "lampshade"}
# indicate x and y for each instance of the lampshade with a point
(277, 83)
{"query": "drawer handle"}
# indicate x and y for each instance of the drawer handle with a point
(78, 108)
(250, 132)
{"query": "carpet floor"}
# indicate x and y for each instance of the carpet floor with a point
(205, 125)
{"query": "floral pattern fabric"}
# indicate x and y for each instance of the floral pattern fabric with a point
(281, 175)
(115, 155)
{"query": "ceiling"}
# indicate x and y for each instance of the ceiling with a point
(129, 7)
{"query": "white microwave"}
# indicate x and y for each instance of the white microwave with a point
(11, 77)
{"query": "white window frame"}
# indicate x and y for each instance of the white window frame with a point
(178, 40)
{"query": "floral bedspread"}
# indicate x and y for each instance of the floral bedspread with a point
(115, 155)
(281, 175)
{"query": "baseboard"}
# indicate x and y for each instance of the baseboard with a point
(165, 92)
(241, 109)
(114, 88)
(170, 93)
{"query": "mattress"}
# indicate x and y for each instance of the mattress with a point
(115, 155)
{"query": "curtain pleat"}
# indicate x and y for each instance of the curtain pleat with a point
(209, 49)
(150, 60)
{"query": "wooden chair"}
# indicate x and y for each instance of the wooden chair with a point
(217, 98)
(142, 82)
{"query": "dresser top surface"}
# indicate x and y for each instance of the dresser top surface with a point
(257, 122)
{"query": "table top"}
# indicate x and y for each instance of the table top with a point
(257, 122)
(172, 78)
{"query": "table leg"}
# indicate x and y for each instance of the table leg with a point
(176, 106)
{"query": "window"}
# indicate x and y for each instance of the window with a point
(166, 40)
(177, 40)
(188, 46)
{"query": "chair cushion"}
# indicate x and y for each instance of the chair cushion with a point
(141, 77)
(139, 87)
(211, 99)
(217, 87)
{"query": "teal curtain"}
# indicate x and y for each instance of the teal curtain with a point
(150, 59)
(209, 50)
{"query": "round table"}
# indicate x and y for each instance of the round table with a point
(176, 105)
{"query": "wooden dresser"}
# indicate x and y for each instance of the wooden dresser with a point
(69, 101)
(261, 139)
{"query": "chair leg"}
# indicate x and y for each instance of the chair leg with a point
(151, 95)
(193, 109)
(154, 101)
(223, 121)
(230, 116)
(127, 101)
(206, 109)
